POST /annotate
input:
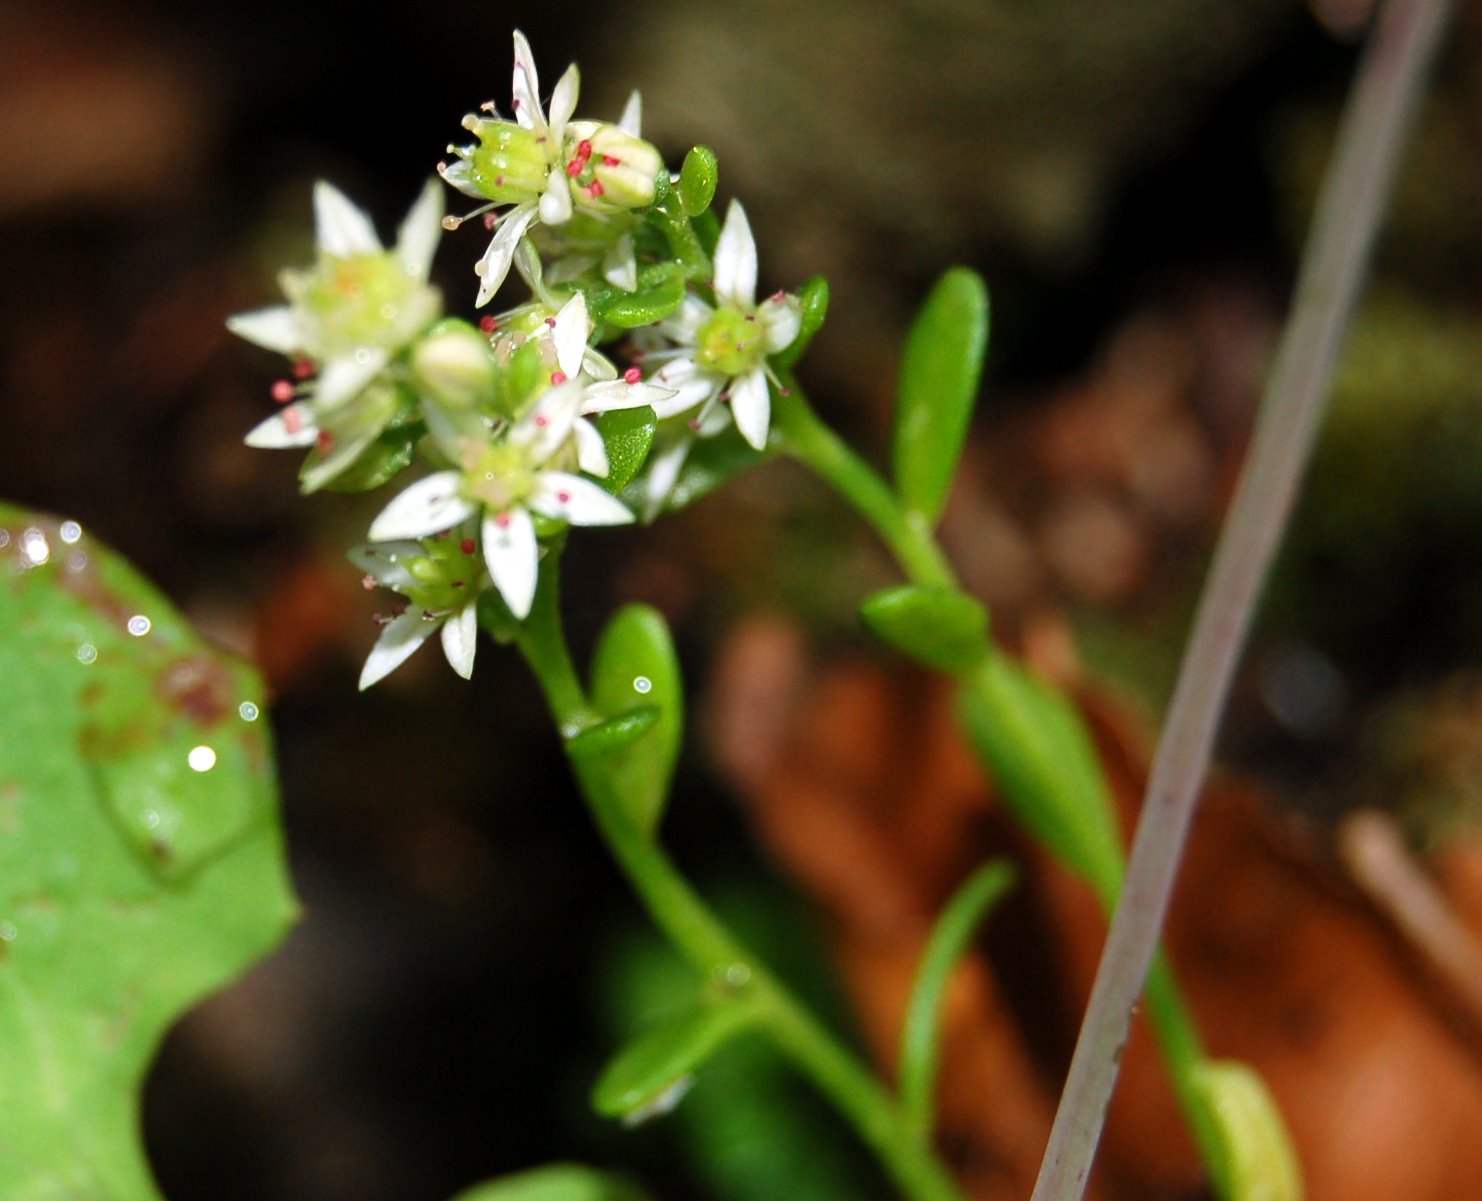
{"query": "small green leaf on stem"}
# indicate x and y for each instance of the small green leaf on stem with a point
(814, 301)
(943, 628)
(921, 1034)
(614, 733)
(940, 368)
(650, 1074)
(635, 665)
(628, 435)
(629, 310)
(697, 180)
(1257, 1161)
(556, 1182)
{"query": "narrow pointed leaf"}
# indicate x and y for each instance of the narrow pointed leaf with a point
(1257, 1161)
(697, 180)
(814, 301)
(141, 861)
(628, 435)
(556, 1182)
(949, 941)
(635, 664)
(648, 1075)
(940, 368)
(942, 628)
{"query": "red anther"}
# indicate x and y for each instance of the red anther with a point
(584, 148)
(282, 391)
(611, 160)
(541, 421)
(695, 425)
(502, 521)
(302, 369)
(784, 391)
(293, 419)
(468, 546)
(324, 443)
(551, 321)
(632, 375)
(563, 497)
(595, 188)
(779, 296)
(558, 377)
(369, 582)
(573, 168)
(491, 219)
(488, 324)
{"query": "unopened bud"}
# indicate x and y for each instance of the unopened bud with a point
(453, 366)
(616, 170)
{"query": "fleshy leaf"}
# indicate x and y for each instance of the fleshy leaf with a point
(1257, 1160)
(651, 1073)
(635, 664)
(141, 862)
(697, 180)
(813, 300)
(628, 310)
(628, 435)
(556, 1182)
(940, 368)
(945, 629)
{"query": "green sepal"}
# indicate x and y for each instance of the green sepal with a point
(390, 454)
(556, 1182)
(943, 628)
(1256, 1160)
(940, 368)
(613, 734)
(635, 665)
(697, 180)
(814, 301)
(1036, 747)
(628, 435)
(629, 310)
(650, 1074)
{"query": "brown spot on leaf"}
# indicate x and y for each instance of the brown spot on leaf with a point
(199, 687)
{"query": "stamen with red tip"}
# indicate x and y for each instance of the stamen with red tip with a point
(282, 391)
(558, 377)
(632, 375)
(468, 546)
(488, 324)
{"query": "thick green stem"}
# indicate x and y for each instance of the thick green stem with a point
(700, 936)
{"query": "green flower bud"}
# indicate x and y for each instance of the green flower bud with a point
(510, 164)
(360, 300)
(610, 169)
(453, 366)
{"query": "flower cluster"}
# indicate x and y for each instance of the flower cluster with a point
(526, 423)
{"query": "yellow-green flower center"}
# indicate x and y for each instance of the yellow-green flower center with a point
(730, 342)
(500, 477)
(359, 300)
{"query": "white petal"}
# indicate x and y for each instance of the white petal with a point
(591, 451)
(342, 453)
(620, 265)
(663, 474)
(460, 640)
(617, 394)
(735, 260)
(751, 405)
(416, 240)
(683, 325)
(341, 229)
(563, 103)
(386, 562)
(548, 424)
(494, 266)
(570, 498)
(780, 319)
(597, 365)
(555, 201)
(427, 507)
(275, 328)
(274, 433)
(570, 335)
(460, 176)
(526, 86)
(632, 119)
(399, 638)
(513, 558)
(345, 376)
(692, 385)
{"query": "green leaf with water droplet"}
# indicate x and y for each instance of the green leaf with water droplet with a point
(628, 435)
(1257, 1161)
(940, 368)
(141, 861)
(698, 178)
(943, 628)
(556, 1182)
(813, 300)
(650, 1074)
(634, 664)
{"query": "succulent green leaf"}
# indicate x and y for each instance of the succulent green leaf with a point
(1257, 1161)
(940, 368)
(635, 665)
(613, 734)
(628, 310)
(141, 861)
(921, 1033)
(556, 1182)
(943, 628)
(814, 301)
(697, 180)
(650, 1074)
(1037, 749)
(628, 435)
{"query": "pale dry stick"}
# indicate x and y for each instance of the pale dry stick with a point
(1401, 47)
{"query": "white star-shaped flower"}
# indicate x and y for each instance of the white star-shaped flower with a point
(441, 584)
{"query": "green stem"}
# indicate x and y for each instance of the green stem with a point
(700, 936)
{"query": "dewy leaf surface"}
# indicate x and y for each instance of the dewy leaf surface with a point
(141, 861)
